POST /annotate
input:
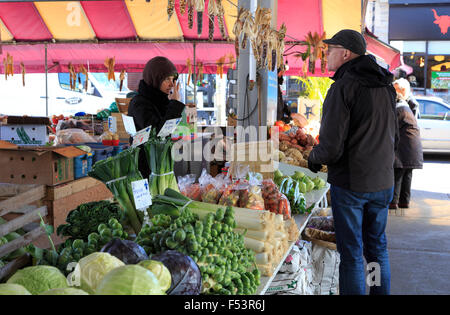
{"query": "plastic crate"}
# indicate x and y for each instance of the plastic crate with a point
(101, 152)
(119, 148)
(82, 165)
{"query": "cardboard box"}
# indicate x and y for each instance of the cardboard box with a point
(37, 165)
(309, 108)
(24, 134)
(24, 130)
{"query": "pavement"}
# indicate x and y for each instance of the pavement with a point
(419, 237)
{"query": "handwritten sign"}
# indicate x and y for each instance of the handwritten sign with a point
(169, 127)
(141, 194)
(128, 123)
(141, 137)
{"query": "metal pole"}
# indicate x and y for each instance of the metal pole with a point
(46, 82)
(194, 81)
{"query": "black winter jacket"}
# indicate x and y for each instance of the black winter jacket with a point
(409, 151)
(359, 128)
(152, 107)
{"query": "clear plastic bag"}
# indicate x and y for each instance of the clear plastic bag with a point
(274, 201)
(73, 136)
(210, 192)
(189, 188)
(251, 195)
(232, 194)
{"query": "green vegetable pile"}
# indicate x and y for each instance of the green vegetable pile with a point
(75, 249)
(227, 267)
(159, 156)
(118, 172)
(86, 218)
(295, 186)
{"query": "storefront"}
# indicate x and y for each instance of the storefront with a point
(420, 29)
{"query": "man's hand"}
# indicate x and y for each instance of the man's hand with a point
(313, 167)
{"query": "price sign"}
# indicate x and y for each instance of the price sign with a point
(169, 127)
(141, 137)
(128, 123)
(112, 124)
(141, 194)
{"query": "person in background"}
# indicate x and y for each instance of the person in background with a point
(283, 111)
(408, 155)
(357, 142)
(157, 101)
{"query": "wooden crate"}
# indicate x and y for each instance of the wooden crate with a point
(22, 200)
(257, 155)
(64, 198)
(122, 105)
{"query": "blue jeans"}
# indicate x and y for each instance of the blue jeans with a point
(360, 221)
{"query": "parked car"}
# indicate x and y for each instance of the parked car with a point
(434, 123)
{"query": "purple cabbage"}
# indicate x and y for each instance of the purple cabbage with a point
(127, 251)
(186, 276)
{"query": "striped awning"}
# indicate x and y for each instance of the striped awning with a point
(133, 31)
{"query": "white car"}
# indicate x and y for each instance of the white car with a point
(434, 123)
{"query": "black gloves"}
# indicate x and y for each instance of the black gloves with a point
(313, 167)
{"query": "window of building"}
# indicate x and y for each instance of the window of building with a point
(409, 46)
(417, 63)
(439, 47)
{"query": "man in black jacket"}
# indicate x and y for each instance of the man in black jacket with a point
(357, 139)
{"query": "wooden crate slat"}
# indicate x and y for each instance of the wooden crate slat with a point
(10, 268)
(21, 221)
(10, 190)
(21, 242)
(22, 199)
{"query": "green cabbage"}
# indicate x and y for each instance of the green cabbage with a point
(93, 268)
(130, 280)
(160, 271)
(66, 291)
(39, 279)
(13, 289)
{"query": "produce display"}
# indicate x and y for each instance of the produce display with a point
(265, 233)
(13, 289)
(274, 200)
(86, 218)
(295, 146)
(159, 156)
(39, 279)
(226, 266)
(295, 186)
(118, 172)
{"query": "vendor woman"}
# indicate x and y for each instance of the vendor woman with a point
(157, 101)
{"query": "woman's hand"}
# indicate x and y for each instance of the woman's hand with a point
(175, 93)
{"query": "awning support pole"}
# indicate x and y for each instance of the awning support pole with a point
(46, 82)
(194, 81)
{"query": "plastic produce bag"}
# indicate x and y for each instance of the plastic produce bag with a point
(274, 201)
(251, 196)
(73, 136)
(210, 192)
(189, 188)
(322, 223)
(232, 194)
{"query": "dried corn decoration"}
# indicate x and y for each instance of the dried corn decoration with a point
(8, 63)
(189, 66)
(72, 76)
(213, 11)
(199, 7)
(316, 44)
(281, 44)
(190, 13)
(122, 78)
(220, 64)
(86, 79)
(170, 8)
(22, 69)
(182, 7)
(200, 70)
(221, 19)
(109, 64)
(231, 60)
(324, 61)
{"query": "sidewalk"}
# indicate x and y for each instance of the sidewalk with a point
(419, 237)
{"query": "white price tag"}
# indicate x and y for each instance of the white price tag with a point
(141, 194)
(141, 137)
(169, 127)
(128, 123)
(112, 124)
